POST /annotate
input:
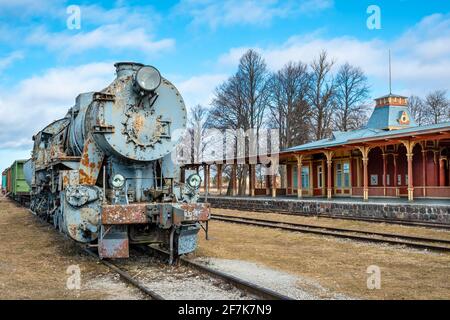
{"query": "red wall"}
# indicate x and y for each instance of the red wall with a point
(376, 166)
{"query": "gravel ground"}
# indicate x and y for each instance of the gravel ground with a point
(114, 286)
(178, 282)
(285, 283)
(339, 265)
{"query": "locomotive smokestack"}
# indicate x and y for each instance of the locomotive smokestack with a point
(125, 69)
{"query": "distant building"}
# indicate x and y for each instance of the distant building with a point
(390, 157)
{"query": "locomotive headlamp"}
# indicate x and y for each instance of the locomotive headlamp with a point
(148, 78)
(194, 181)
(118, 181)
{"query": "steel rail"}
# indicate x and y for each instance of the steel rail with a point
(341, 233)
(383, 220)
(246, 286)
(295, 224)
(365, 219)
(125, 275)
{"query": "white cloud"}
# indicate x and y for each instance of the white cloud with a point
(200, 89)
(10, 59)
(121, 28)
(113, 37)
(23, 8)
(35, 102)
(246, 12)
(421, 55)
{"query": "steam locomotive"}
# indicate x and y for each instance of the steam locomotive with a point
(106, 174)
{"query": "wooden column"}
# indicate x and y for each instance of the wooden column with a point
(252, 179)
(384, 173)
(274, 185)
(424, 171)
(219, 179)
(299, 176)
(234, 179)
(365, 160)
(442, 171)
(409, 157)
(329, 155)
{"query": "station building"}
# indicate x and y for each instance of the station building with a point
(390, 157)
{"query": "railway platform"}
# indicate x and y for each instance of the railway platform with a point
(434, 211)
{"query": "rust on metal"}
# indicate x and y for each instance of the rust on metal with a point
(114, 248)
(192, 212)
(69, 178)
(125, 214)
(91, 162)
(138, 123)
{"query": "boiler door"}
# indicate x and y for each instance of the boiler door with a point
(144, 128)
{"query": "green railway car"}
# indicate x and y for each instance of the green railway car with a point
(16, 183)
(4, 181)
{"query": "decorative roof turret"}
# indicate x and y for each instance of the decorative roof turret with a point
(391, 113)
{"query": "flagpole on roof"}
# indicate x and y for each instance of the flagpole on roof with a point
(390, 73)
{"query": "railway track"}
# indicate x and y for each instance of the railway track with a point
(125, 276)
(242, 285)
(381, 220)
(354, 234)
(433, 225)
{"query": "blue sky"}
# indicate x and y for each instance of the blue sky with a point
(197, 43)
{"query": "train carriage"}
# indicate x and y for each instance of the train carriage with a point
(17, 187)
(4, 181)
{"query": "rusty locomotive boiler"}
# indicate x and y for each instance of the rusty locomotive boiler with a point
(104, 174)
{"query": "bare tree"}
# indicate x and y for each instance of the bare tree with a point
(417, 109)
(288, 107)
(321, 96)
(196, 132)
(352, 93)
(240, 102)
(438, 106)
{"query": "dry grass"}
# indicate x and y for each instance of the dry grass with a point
(338, 265)
(34, 259)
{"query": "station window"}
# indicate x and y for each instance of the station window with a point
(343, 174)
(305, 177)
(399, 180)
(319, 176)
(388, 180)
(346, 174)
